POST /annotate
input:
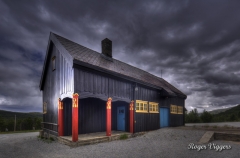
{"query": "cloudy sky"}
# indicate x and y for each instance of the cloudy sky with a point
(196, 44)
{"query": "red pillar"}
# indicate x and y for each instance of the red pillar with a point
(75, 117)
(131, 116)
(108, 117)
(60, 117)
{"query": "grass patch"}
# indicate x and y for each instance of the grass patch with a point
(45, 139)
(206, 126)
(123, 136)
(226, 126)
(26, 131)
(51, 138)
(215, 126)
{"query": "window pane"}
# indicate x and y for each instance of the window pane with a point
(137, 106)
(141, 106)
(145, 107)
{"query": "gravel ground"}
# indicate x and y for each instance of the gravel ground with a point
(167, 142)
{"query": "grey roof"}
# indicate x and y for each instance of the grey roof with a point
(94, 58)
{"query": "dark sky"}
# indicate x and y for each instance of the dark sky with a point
(195, 44)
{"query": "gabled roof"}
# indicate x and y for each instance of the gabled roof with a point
(91, 57)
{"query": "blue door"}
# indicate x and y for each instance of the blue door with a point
(121, 118)
(164, 115)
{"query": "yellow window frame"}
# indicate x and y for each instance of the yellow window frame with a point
(180, 110)
(153, 107)
(141, 106)
(174, 109)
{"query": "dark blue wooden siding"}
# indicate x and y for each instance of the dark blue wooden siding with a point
(147, 121)
(67, 116)
(92, 115)
(147, 94)
(90, 83)
(51, 88)
(57, 83)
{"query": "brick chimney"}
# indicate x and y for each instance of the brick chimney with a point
(107, 47)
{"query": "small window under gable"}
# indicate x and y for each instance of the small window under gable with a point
(44, 107)
(53, 63)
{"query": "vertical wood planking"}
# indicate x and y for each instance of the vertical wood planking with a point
(81, 88)
(92, 115)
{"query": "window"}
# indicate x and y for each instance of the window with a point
(53, 63)
(44, 107)
(141, 106)
(153, 107)
(174, 109)
(180, 110)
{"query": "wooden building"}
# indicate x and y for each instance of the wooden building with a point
(85, 91)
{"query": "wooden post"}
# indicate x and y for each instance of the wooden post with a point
(75, 117)
(60, 118)
(131, 116)
(108, 117)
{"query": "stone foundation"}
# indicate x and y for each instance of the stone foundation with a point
(95, 140)
(227, 136)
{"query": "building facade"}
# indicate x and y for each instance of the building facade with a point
(85, 91)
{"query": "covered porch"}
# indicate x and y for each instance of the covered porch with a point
(79, 118)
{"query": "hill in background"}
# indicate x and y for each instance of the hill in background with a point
(223, 115)
(11, 115)
(234, 110)
(219, 111)
(24, 121)
(231, 114)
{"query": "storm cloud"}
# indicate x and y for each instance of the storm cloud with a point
(195, 44)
